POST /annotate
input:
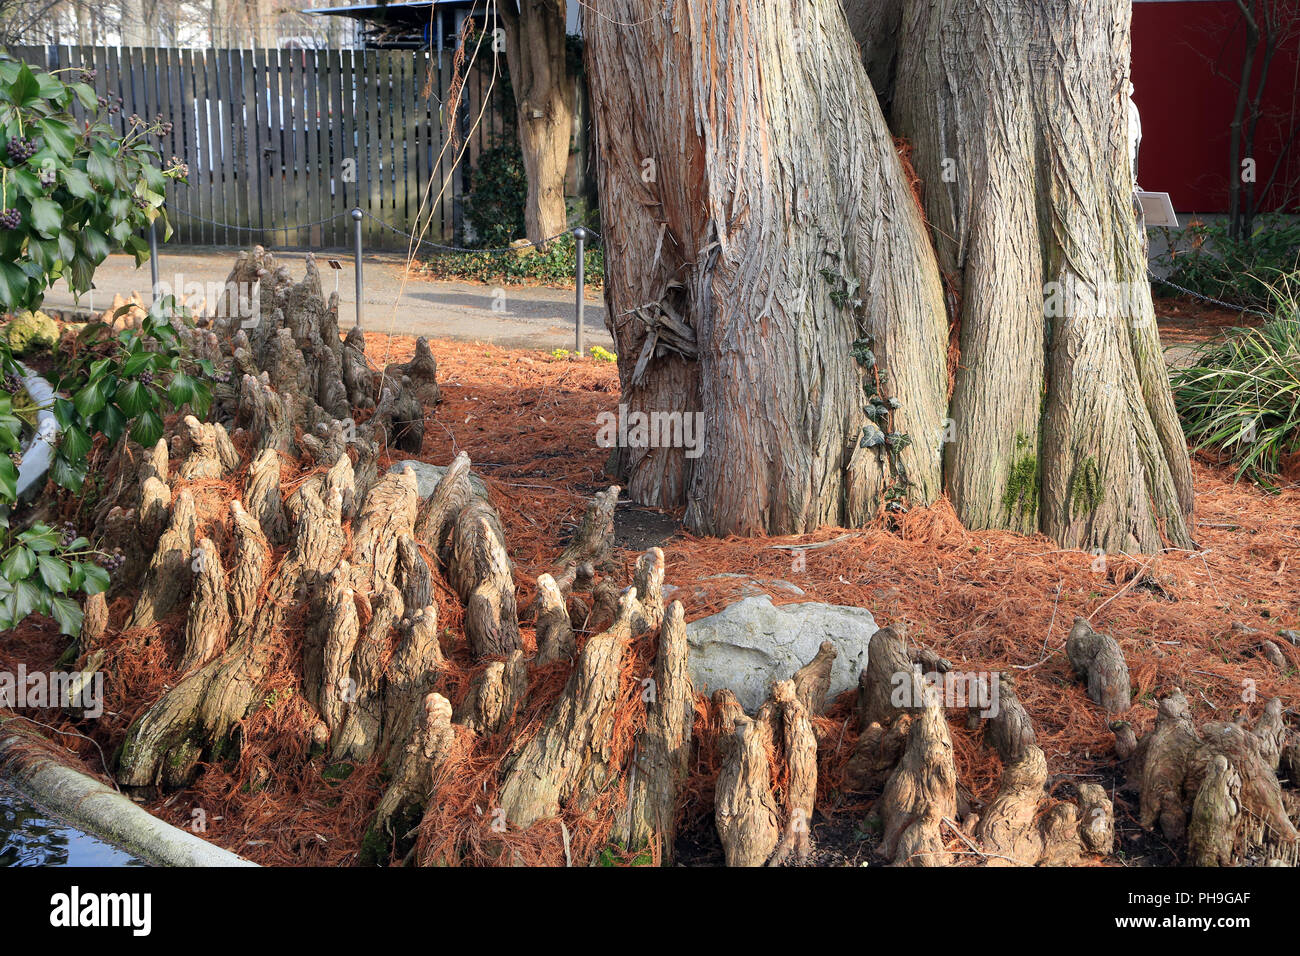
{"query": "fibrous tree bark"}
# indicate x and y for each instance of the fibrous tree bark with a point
(539, 73)
(760, 230)
(1062, 414)
(767, 266)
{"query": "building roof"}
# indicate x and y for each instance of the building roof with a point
(413, 11)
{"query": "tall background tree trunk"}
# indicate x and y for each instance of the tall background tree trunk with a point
(758, 223)
(1063, 419)
(535, 53)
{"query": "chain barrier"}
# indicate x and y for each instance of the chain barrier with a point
(1206, 298)
(227, 225)
(387, 225)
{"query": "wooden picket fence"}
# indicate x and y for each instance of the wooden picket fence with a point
(282, 144)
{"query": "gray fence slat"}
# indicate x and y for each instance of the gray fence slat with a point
(288, 138)
(332, 147)
(368, 129)
(199, 120)
(259, 187)
(166, 68)
(244, 116)
(311, 181)
(350, 186)
(294, 143)
(446, 145)
(304, 125)
(223, 205)
(189, 132)
(236, 127)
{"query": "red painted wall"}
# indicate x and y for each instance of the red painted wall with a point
(1186, 108)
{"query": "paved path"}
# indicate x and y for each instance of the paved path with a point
(511, 316)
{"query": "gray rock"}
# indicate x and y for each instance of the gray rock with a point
(429, 475)
(751, 644)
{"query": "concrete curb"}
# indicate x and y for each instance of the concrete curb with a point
(89, 805)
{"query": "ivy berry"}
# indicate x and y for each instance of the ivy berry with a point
(20, 150)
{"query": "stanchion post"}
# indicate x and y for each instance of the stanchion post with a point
(357, 214)
(153, 262)
(580, 235)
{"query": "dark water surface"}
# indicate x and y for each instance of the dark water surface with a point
(29, 837)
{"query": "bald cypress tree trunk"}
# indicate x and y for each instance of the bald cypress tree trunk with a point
(762, 233)
(1062, 411)
(535, 55)
(760, 230)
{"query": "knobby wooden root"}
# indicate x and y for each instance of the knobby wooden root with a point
(569, 759)
(1215, 786)
(813, 680)
(906, 753)
(554, 629)
(758, 824)
(800, 753)
(663, 747)
(745, 809)
(345, 552)
(287, 389)
(1098, 660)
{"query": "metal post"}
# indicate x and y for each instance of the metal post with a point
(580, 234)
(356, 218)
(153, 262)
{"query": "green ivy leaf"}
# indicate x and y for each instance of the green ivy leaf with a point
(69, 615)
(86, 94)
(28, 596)
(136, 363)
(201, 401)
(40, 538)
(25, 88)
(8, 479)
(13, 286)
(68, 474)
(18, 564)
(47, 217)
(96, 578)
(95, 244)
(78, 184)
(111, 422)
(28, 183)
(101, 170)
(134, 398)
(54, 572)
(90, 399)
(59, 137)
(76, 443)
(181, 389)
(148, 429)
